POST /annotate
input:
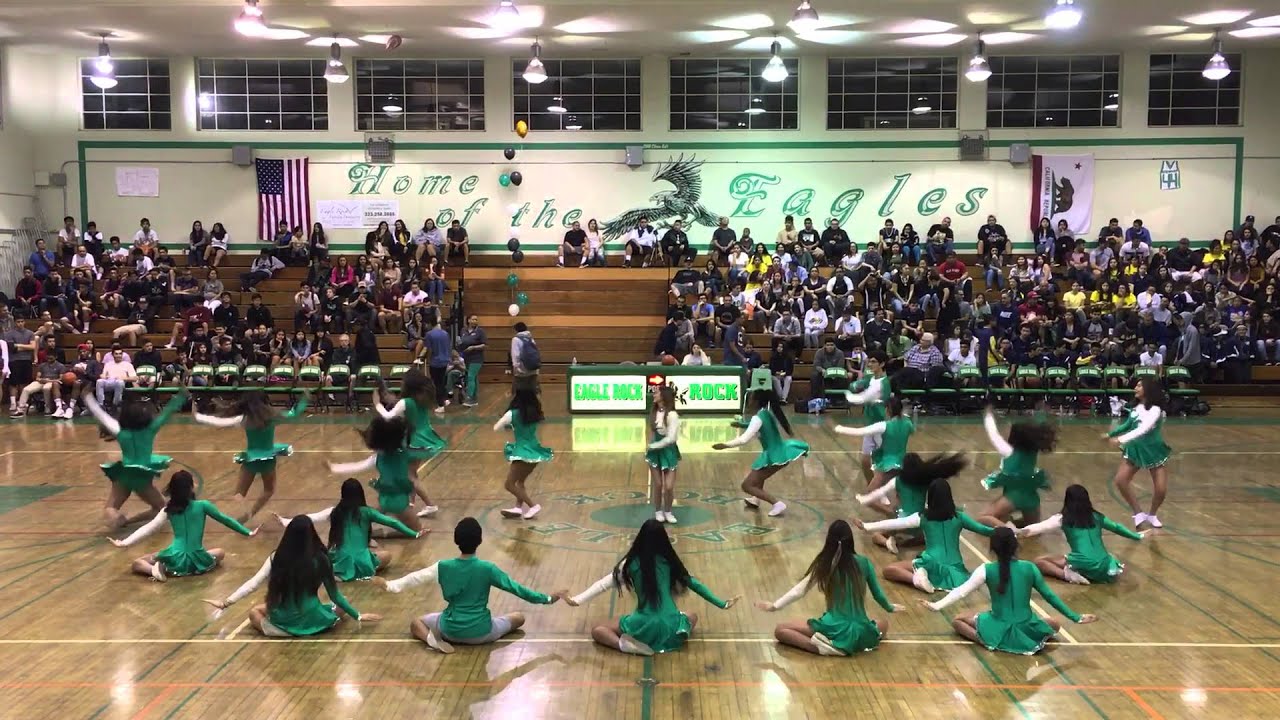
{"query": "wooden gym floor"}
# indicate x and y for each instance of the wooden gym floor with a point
(1192, 630)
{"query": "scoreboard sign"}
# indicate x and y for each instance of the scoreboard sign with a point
(630, 393)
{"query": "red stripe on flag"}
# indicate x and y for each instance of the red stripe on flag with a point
(1037, 170)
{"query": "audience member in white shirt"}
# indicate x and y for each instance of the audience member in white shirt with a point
(641, 240)
(815, 323)
(68, 236)
(1134, 248)
(1148, 299)
(962, 356)
(82, 259)
(146, 239)
(1152, 357)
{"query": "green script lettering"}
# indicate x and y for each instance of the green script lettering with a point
(551, 528)
(367, 180)
(747, 188)
(571, 217)
(932, 201)
(435, 185)
(713, 536)
(844, 205)
(473, 210)
(972, 201)
(468, 184)
(899, 183)
(403, 183)
(798, 203)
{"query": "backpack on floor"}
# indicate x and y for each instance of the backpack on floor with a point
(530, 356)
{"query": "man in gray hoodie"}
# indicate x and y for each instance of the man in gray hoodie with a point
(1188, 354)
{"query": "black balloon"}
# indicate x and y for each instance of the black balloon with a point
(509, 153)
(513, 244)
(517, 257)
(516, 178)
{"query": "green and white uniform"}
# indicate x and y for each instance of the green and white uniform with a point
(301, 616)
(873, 394)
(1019, 476)
(662, 626)
(394, 484)
(663, 452)
(424, 442)
(465, 583)
(1142, 439)
(776, 451)
(353, 560)
(846, 625)
(525, 447)
(894, 435)
(137, 467)
(941, 560)
(1088, 556)
(261, 448)
(186, 554)
(1010, 625)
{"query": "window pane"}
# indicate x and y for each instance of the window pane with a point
(880, 93)
(1180, 95)
(1051, 91)
(594, 92)
(139, 100)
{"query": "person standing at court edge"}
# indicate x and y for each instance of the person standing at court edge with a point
(438, 346)
(526, 359)
(471, 344)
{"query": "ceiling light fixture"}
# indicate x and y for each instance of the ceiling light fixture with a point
(249, 22)
(922, 106)
(1217, 68)
(756, 108)
(535, 72)
(775, 70)
(572, 123)
(978, 70)
(104, 71)
(392, 106)
(336, 72)
(1113, 102)
(330, 40)
(1064, 16)
(506, 16)
(557, 105)
(805, 18)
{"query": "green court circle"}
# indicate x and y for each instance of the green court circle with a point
(631, 517)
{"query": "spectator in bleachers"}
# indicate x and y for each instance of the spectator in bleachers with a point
(458, 243)
(115, 375)
(674, 245)
(471, 343)
(827, 357)
(146, 239)
(262, 268)
(428, 241)
(788, 331)
(435, 286)
(403, 246)
(848, 329)
(782, 367)
(378, 242)
(318, 243)
(387, 302)
(226, 314)
(197, 244)
(835, 242)
(696, 357)
(53, 295)
(1138, 233)
(362, 312)
(20, 343)
(816, 323)
(300, 352)
(809, 241)
(991, 236)
(788, 239)
(81, 299)
(27, 294)
(751, 358)
(342, 278)
(723, 242)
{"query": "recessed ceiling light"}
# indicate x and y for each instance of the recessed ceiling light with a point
(505, 16)
(376, 39)
(249, 22)
(804, 18)
(1064, 15)
(1006, 38)
(279, 33)
(920, 27)
(1218, 17)
(1271, 21)
(754, 21)
(935, 40)
(1255, 32)
(331, 39)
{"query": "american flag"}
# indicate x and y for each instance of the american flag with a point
(284, 193)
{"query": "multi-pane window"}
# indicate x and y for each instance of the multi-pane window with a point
(1054, 91)
(730, 94)
(419, 94)
(1180, 95)
(579, 95)
(139, 101)
(871, 93)
(262, 94)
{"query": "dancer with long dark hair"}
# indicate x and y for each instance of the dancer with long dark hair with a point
(663, 453)
(417, 398)
(1020, 476)
(894, 432)
(350, 528)
(390, 458)
(136, 470)
(525, 452)
(776, 451)
(1140, 437)
(1088, 562)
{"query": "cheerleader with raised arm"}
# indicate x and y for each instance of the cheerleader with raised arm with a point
(417, 398)
(254, 412)
(1141, 438)
(886, 460)
(186, 555)
(663, 453)
(844, 577)
(525, 452)
(872, 391)
(1010, 625)
(776, 451)
(136, 470)
(1020, 477)
(390, 458)
(1088, 562)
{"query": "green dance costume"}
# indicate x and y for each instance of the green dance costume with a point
(1010, 625)
(1142, 439)
(1019, 476)
(261, 448)
(894, 435)
(525, 447)
(300, 616)
(846, 624)
(662, 627)
(353, 560)
(424, 442)
(394, 484)
(663, 452)
(186, 554)
(137, 467)
(1088, 556)
(941, 560)
(776, 451)
(465, 583)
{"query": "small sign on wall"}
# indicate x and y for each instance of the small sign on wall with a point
(137, 181)
(356, 214)
(1170, 175)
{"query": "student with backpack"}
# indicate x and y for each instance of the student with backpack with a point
(526, 359)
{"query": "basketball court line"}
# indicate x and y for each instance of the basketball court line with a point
(1034, 605)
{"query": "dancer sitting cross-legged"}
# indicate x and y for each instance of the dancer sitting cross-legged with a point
(1088, 562)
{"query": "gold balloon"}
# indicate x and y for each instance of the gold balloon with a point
(522, 128)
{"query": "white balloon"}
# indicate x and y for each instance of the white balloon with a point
(513, 208)
(513, 309)
(513, 232)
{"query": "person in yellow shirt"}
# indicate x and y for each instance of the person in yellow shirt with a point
(1124, 301)
(1213, 253)
(1074, 300)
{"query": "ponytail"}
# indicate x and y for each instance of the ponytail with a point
(1004, 545)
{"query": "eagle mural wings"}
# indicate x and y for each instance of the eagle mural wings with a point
(669, 205)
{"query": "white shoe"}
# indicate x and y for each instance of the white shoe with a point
(440, 410)
(68, 412)
(513, 512)
(532, 512)
(1154, 521)
(632, 646)
(435, 642)
(891, 544)
(657, 515)
(428, 511)
(157, 572)
(1074, 577)
(669, 517)
(824, 646)
(920, 579)
(1139, 518)
(777, 509)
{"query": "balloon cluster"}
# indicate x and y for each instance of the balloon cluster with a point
(521, 298)
(507, 179)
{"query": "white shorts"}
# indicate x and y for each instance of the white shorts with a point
(499, 627)
(870, 443)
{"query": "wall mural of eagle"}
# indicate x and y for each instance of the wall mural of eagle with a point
(669, 205)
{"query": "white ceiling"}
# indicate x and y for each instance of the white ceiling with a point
(439, 28)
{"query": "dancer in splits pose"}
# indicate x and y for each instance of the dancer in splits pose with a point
(136, 470)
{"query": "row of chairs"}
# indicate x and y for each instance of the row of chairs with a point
(227, 379)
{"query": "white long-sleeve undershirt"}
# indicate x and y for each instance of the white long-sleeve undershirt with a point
(503, 423)
(398, 410)
(670, 433)
(252, 583)
(894, 524)
(146, 530)
(753, 429)
(1001, 445)
(872, 429)
(108, 423)
(792, 595)
(974, 582)
(870, 395)
(418, 577)
(1147, 419)
(352, 468)
(597, 588)
(316, 517)
(879, 493)
(216, 421)
(1044, 526)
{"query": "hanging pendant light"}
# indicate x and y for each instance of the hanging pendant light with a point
(535, 72)
(392, 106)
(336, 72)
(1217, 68)
(978, 70)
(506, 16)
(104, 71)
(805, 18)
(922, 106)
(249, 22)
(775, 70)
(1064, 15)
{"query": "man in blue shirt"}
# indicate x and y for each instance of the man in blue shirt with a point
(439, 346)
(1138, 233)
(41, 261)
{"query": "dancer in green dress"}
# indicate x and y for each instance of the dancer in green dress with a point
(872, 391)
(844, 577)
(1010, 625)
(350, 527)
(1019, 476)
(776, 452)
(465, 582)
(941, 565)
(417, 396)
(912, 483)
(294, 574)
(390, 458)
(1144, 448)
(525, 452)
(186, 555)
(663, 453)
(652, 570)
(137, 468)
(1088, 562)
(886, 460)
(254, 412)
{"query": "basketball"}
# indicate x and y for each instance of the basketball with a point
(69, 378)
(668, 360)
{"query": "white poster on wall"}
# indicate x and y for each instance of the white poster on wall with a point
(137, 181)
(376, 211)
(340, 214)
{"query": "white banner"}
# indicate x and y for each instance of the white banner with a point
(1062, 189)
(137, 182)
(376, 211)
(340, 214)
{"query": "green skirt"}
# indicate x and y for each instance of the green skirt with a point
(784, 454)
(527, 452)
(943, 575)
(185, 562)
(136, 477)
(662, 632)
(423, 454)
(666, 458)
(1147, 455)
(849, 635)
(1024, 638)
(264, 460)
(359, 565)
(311, 617)
(1097, 570)
(393, 497)
(1022, 491)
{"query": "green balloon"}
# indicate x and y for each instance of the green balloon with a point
(513, 280)
(522, 299)
(504, 179)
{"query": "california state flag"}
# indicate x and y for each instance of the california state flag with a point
(1062, 189)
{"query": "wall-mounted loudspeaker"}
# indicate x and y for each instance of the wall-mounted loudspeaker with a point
(634, 155)
(1019, 153)
(241, 155)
